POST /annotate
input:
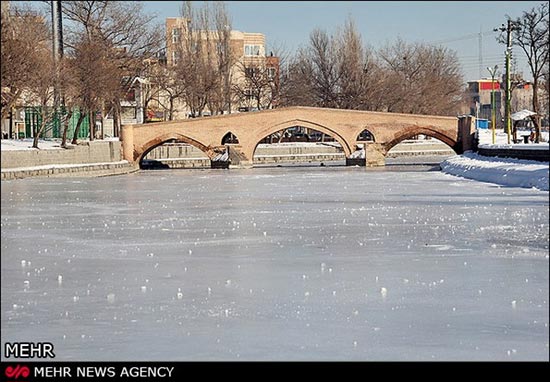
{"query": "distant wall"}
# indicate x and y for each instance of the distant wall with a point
(542, 154)
(175, 150)
(83, 153)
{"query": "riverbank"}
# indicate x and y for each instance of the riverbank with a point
(502, 171)
(89, 169)
(499, 167)
(103, 158)
(96, 158)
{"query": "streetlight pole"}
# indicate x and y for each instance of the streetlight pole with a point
(509, 28)
(493, 71)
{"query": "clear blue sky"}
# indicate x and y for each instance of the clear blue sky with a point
(454, 24)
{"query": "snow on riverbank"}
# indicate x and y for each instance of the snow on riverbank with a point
(501, 139)
(43, 144)
(26, 144)
(502, 171)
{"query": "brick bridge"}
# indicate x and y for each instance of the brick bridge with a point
(207, 133)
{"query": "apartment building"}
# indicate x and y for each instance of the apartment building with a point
(481, 99)
(254, 73)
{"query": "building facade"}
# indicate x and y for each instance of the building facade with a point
(481, 98)
(481, 94)
(253, 74)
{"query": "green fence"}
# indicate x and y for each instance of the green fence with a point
(54, 129)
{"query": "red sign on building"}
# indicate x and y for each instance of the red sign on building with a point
(486, 85)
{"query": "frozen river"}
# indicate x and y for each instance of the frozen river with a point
(299, 263)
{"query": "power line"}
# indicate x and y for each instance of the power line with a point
(463, 38)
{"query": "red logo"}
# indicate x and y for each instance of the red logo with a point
(18, 371)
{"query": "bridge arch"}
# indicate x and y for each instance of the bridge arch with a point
(430, 131)
(144, 149)
(303, 123)
(230, 138)
(365, 135)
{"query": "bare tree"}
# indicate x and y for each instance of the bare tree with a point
(333, 71)
(352, 68)
(545, 99)
(150, 80)
(171, 89)
(533, 38)
(339, 71)
(109, 41)
(191, 67)
(226, 57)
(205, 58)
(96, 78)
(258, 88)
(24, 38)
(323, 54)
(421, 79)
(373, 82)
(42, 92)
(71, 98)
(297, 81)
(312, 77)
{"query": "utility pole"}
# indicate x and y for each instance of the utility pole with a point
(493, 71)
(57, 41)
(510, 27)
(57, 29)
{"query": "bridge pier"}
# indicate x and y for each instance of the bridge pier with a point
(375, 154)
(237, 157)
(359, 160)
(466, 134)
(127, 138)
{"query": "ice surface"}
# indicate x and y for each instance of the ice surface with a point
(398, 265)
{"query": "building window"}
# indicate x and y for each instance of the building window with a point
(176, 32)
(271, 72)
(175, 56)
(220, 48)
(249, 95)
(252, 50)
(250, 72)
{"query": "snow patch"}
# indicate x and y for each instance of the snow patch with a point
(503, 171)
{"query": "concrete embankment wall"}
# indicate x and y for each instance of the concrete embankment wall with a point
(91, 169)
(176, 155)
(542, 154)
(95, 158)
(420, 147)
(174, 150)
(83, 153)
(185, 156)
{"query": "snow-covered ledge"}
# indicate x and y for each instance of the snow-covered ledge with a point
(503, 171)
